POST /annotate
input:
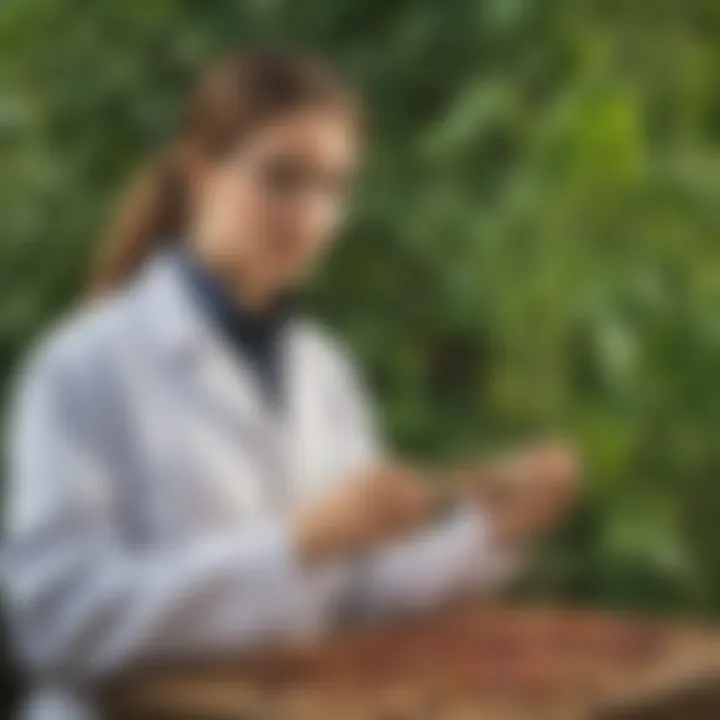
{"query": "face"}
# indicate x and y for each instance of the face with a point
(266, 213)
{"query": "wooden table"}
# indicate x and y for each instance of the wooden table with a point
(482, 662)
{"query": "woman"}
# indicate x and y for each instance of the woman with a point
(194, 469)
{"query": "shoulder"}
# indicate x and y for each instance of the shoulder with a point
(348, 395)
(79, 350)
(328, 350)
(332, 358)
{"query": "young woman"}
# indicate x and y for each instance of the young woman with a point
(194, 468)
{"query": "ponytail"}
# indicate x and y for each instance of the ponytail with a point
(148, 215)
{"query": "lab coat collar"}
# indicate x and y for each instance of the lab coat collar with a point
(185, 337)
(245, 327)
(175, 325)
(179, 321)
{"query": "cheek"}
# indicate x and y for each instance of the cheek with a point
(242, 214)
(218, 212)
(310, 228)
(325, 217)
(312, 220)
(296, 234)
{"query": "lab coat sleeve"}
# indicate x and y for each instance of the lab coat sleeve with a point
(454, 557)
(82, 602)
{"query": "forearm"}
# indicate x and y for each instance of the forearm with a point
(89, 608)
(450, 559)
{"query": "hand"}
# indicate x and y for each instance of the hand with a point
(361, 513)
(527, 491)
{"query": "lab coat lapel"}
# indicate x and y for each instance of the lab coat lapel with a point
(228, 379)
(291, 445)
(240, 438)
(229, 385)
(224, 386)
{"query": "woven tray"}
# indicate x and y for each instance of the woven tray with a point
(484, 662)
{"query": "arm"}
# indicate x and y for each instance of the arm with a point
(454, 557)
(81, 601)
(509, 503)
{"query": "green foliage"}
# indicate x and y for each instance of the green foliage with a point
(534, 247)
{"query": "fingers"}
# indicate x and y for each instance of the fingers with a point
(363, 512)
(524, 493)
(401, 498)
(558, 465)
(528, 491)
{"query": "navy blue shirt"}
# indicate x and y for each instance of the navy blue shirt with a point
(256, 336)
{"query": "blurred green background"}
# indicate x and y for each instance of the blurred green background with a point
(534, 246)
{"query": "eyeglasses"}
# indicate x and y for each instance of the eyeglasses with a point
(292, 176)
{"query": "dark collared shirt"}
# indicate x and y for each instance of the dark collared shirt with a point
(255, 336)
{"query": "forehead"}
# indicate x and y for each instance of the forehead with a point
(323, 135)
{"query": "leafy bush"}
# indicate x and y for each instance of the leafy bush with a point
(534, 247)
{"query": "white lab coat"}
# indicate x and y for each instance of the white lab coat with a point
(149, 486)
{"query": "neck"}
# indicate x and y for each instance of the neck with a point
(247, 289)
(255, 298)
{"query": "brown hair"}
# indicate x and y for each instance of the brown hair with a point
(238, 93)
